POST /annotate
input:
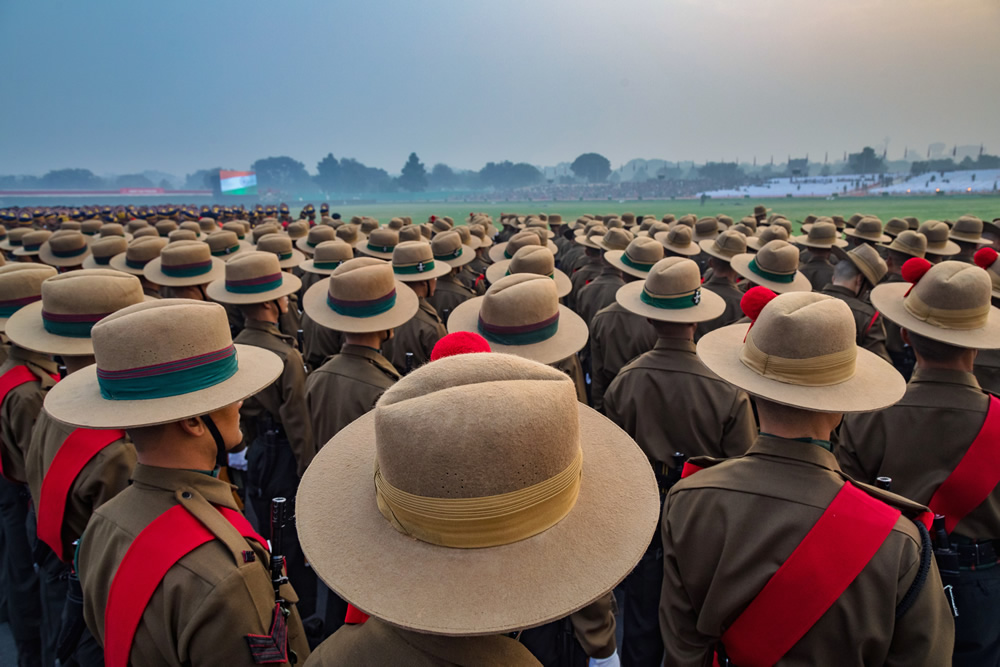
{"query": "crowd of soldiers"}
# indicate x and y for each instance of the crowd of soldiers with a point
(229, 436)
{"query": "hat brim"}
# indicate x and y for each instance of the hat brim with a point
(45, 254)
(948, 249)
(614, 258)
(21, 252)
(6, 246)
(91, 263)
(495, 272)
(118, 264)
(153, 272)
(688, 250)
(78, 401)
(711, 306)
(875, 384)
(496, 252)
(446, 591)
(26, 329)
(244, 247)
(882, 238)
(362, 247)
(708, 247)
(309, 266)
(569, 338)
(440, 269)
(216, 291)
(741, 264)
(957, 236)
(303, 245)
(804, 241)
(906, 251)
(315, 306)
(888, 300)
(468, 254)
(587, 243)
(292, 262)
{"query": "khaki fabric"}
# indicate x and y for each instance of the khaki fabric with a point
(760, 507)
(598, 294)
(472, 276)
(284, 399)
(208, 602)
(318, 342)
(21, 408)
(376, 643)
(893, 339)
(731, 295)
(668, 401)
(450, 293)
(617, 336)
(571, 367)
(987, 370)
(580, 279)
(594, 626)
(418, 335)
(345, 387)
(817, 269)
(867, 321)
(290, 322)
(103, 477)
(920, 440)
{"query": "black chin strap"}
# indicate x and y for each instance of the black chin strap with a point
(221, 457)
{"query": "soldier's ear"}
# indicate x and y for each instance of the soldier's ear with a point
(193, 426)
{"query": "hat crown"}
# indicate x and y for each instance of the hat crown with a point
(617, 238)
(362, 279)
(108, 246)
(260, 231)
(368, 225)
(909, 240)
(673, 276)
(644, 250)
(164, 227)
(321, 233)
(251, 266)
(446, 243)
(409, 253)
(181, 253)
(533, 259)
(90, 227)
(297, 230)
(874, 266)
(236, 227)
(895, 226)
(112, 229)
(657, 227)
(522, 239)
(36, 237)
(22, 281)
(518, 300)
(278, 244)
(67, 241)
(191, 226)
(706, 226)
(679, 235)
(333, 251)
(90, 292)
(953, 286)
(822, 231)
(383, 238)
(18, 233)
(804, 325)
(181, 235)
(778, 257)
(869, 227)
(968, 225)
(935, 231)
(348, 232)
(731, 242)
(464, 232)
(410, 233)
(222, 240)
(71, 225)
(772, 233)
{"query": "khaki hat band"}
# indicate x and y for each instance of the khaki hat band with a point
(489, 521)
(822, 371)
(171, 378)
(770, 275)
(688, 300)
(8, 308)
(75, 325)
(526, 334)
(413, 269)
(962, 319)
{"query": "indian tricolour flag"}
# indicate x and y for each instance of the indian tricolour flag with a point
(238, 182)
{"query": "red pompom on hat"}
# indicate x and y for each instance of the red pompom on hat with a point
(754, 301)
(460, 342)
(913, 270)
(985, 257)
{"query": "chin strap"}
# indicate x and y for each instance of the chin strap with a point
(221, 457)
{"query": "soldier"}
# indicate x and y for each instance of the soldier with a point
(671, 403)
(818, 241)
(939, 246)
(760, 214)
(733, 585)
(140, 252)
(906, 245)
(449, 249)
(82, 469)
(929, 441)
(183, 269)
(600, 292)
(65, 250)
(318, 342)
(722, 282)
(967, 232)
(589, 265)
(290, 322)
(868, 231)
(413, 263)
(473, 274)
(678, 241)
(852, 280)
(448, 616)
(774, 266)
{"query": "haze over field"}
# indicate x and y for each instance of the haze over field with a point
(120, 87)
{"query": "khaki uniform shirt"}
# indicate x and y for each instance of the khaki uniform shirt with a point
(669, 402)
(580, 279)
(987, 370)
(818, 270)
(318, 342)
(617, 336)
(920, 440)
(418, 335)
(289, 323)
(567, 258)
(101, 479)
(599, 293)
(571, 367)
(346, 387)
(210, 600)
(473, 276)
(893, 339)
(375, 643)
(450, 293)
(727, 529)
(869, 330)
(731, 295)
(284, 399)
(20, 409)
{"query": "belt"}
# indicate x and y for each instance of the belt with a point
(977, 556)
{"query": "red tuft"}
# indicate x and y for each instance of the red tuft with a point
(985, 257)
(433, 218)
(754, 301)
(460, 342)
(915, 268)
(354, 616)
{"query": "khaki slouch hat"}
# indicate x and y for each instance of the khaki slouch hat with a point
(775, 266)
(20, 285)
(672, 292)
(252, 277)
(638, 258)
(362, 295)
(531, 259)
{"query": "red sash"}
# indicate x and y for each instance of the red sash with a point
(15, 377)
(80, 447)
(976, 475)
(159, 546)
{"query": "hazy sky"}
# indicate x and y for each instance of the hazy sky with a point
(119, 86)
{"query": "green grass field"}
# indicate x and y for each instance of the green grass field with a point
(924, 208)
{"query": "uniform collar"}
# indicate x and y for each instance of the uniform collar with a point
(838, 290)
(770, 445)
(372, 355)
(211, 488)
(39, 364)
(675, 344)
(426, 306)
(266, 327)
(945, 376)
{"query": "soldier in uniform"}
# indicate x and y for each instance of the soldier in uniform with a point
(140, 252)
(671, 403)
(928, 443)
(967, 232)
(289, 259)
(320, 343)
(183, 269)
(939, 246)
(95, 465)
(171, 559)
(600, 292)
(722, 282)
(868, 231)
(413, 263)
(852, 280)
(906, 245)
(448, 616)
(65, 250)
(590, 263)
(733, 584)
(818, 241)
(448, 249)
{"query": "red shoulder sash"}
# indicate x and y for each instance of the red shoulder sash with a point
(976, 475)
(159, 546)
(13, 378)
(79, 448)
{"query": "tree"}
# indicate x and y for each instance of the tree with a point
(509, 175)
(356, 177)
(133, 181)
(328, 173)
(281, 173)
(199, 180)
(865, 162)
(722, 174)
(442, 176)
(414, 176)
(592, 166)
(77, 179)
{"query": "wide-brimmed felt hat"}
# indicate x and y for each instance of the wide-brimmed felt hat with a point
(707, 229)
(895, 226)
(238, 227)
(208, 225)
(520, 314)
(184, 263)
(761, 210)
(937, 234)
(655, 227)
(328, 256)
(869, 229)
(72, 303)
(15, 238)
(102, 250)
(32, 242)
(467, 237)
(252, 277)
(448, 248)
(987, 259)
(297, 229)
(766, 235)
(947, 302)
(260, 231)
(158, 362)
(909, 242)
(868, 262)
(361, 296)
(680, 240)
(479, 233)
(380, 243)
(801, 351)
(775, 266)
(638, 258)
(146, 232)
(67, 248)
(281, 245)
(316, 235)
(413, 261)
(532, 259)
(140, 252)
(969, 229)
(226, 244)
(20, 285)
(502, 251)
(587, 480)
(164, 227)
(823, 235)
(672, 292)
(111, 229)
(411, 233)
(92, 228)
(590, 235)
(181, 235)
(350, 233)
(616, 238)
(726, 245)
(193, 227)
